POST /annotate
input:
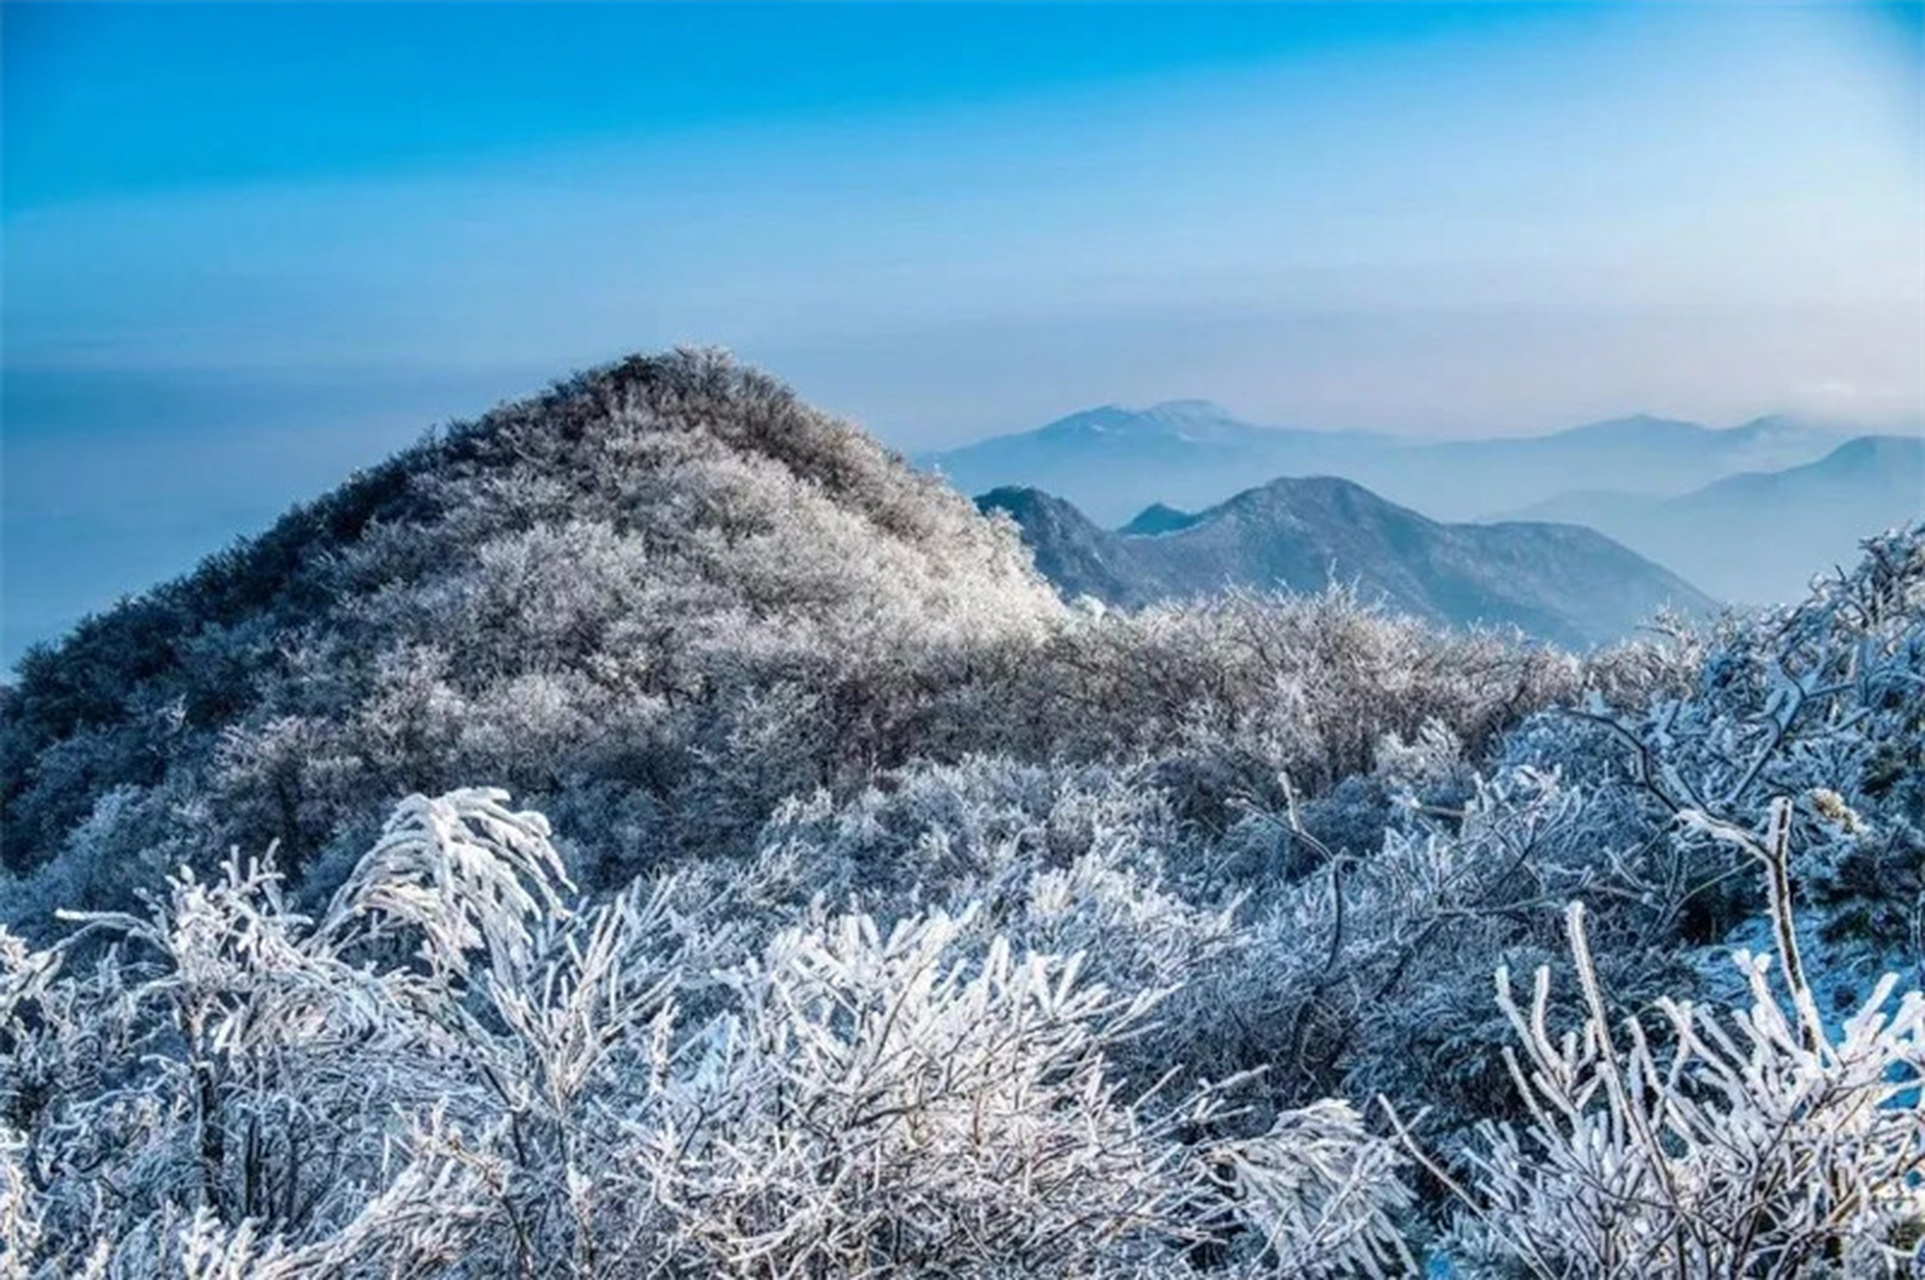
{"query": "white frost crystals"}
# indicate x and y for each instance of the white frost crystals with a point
(997, 1017)
(456, 1073)
(1761, 1142)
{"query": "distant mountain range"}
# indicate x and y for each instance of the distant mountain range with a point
(1114, 461)
(1616, 476)
(1556, 581)
(1759, 537)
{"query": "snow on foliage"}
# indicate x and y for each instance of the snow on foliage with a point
(455, 1071)
(882, 917)
(1755, 1142)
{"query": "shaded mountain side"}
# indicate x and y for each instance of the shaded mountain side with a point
(1074, 554)
(1112, 461)
(1559, 582)
(1759, 538)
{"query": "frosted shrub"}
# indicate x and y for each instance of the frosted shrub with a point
(1822, 695)
(455, 1071)
(879, 1104)
(1760, 1142)
(463, 873)
(1139, 933)
(1335, 974)
(230, 1070)
(19, 1212)
(1323, 1192)
(876, 1107)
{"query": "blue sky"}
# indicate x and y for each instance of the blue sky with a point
(249, 247)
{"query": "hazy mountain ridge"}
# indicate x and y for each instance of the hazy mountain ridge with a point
(1114, 461)
(1557, 581)
(1759, 536)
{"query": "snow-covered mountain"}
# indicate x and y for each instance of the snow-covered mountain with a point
(873, 914)
(558, 597)
(1557, 581)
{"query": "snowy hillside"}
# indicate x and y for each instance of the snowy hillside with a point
(653, 832)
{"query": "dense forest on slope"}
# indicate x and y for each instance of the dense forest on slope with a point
(651, 567)
(889, 918)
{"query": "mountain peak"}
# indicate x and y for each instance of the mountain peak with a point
(1788, 427)
(1319, 493)
(1156, 417)
(1190, 408)
(1891, 457)
(1758, 536)
(1157, 518)
(1025, 503)
(614, 528)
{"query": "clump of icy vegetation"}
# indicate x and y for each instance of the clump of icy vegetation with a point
(887, 919)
